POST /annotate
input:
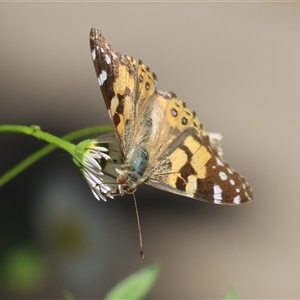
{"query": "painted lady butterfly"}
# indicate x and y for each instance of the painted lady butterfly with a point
(162, 142)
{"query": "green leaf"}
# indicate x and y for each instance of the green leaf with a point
(68, 295)
(232, 295)
(136, 286)
(23, 269)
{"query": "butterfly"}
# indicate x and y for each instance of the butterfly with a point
(162, 142)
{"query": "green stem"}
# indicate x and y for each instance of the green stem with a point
(38, 133)
(55, 142)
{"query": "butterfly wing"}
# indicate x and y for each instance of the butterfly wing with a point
(126, 85)
(188, 164)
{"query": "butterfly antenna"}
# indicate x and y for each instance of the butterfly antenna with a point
(139, 227)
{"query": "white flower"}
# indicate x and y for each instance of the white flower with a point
(89, 156)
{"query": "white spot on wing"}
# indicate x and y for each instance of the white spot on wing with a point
(101, 49)
(102, 77)
(229, 171)
(218, 201)
(222, 175)
(237, 199)
(232, 182)
(93, 54)
(107, 59)
(217, 193)
(114, 55)
(219, 162)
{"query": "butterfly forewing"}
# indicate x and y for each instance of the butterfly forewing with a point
(162, 142)
(125, 85)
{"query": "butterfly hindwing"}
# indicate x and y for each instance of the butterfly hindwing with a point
(189, 164)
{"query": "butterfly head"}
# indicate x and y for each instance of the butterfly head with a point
(126, 184)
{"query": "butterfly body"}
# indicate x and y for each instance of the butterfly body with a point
(162, 142)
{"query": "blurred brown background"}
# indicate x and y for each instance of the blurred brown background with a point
(237, 65)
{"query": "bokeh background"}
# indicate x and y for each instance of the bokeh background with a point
(237, 65)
